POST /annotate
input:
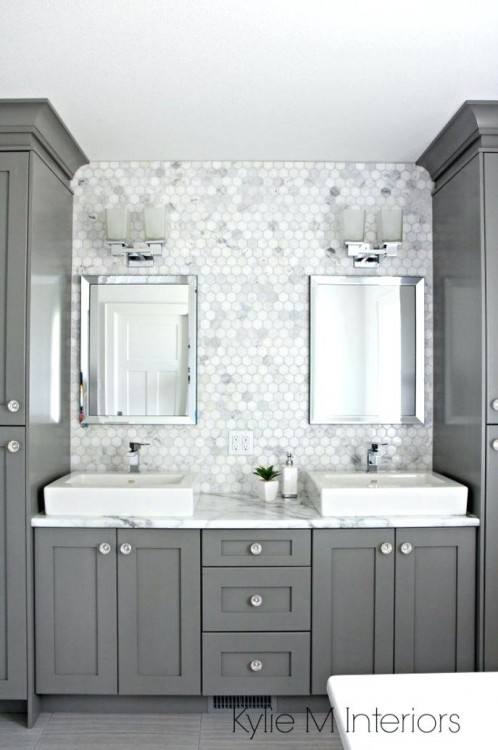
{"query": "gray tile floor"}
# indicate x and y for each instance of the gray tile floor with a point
(156, 732)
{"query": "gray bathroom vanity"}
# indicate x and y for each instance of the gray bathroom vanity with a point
(247, 599)
(141, 611)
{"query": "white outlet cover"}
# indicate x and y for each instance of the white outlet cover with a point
(240, 443)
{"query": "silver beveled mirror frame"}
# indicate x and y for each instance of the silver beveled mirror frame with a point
(86, 284)
(418, 283)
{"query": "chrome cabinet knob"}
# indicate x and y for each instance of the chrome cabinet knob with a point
(494, 444)
(125, 548)
(13, 406)
(406, 548)
(256, 548)
(13, 446)
(104, 548)
(256, 600)
(256, 665)
(494, 404)
(386, 548)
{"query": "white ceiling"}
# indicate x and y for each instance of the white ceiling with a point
(251, 79)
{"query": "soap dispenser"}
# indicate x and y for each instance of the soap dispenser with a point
(289, 478)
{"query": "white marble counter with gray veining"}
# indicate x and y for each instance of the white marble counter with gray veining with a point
(246, 512)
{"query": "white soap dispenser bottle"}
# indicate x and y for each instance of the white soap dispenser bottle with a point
(289, 478)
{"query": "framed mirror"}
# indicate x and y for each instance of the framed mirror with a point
(366, 350)
(138, 350)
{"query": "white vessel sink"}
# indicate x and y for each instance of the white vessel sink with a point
(386, 494)
(116, 494)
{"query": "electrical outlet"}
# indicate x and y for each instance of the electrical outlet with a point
(240, 443)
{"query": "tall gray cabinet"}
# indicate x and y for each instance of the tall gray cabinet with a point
(463, 162)
(38, 158)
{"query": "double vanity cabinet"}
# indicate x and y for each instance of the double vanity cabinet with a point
(273, 611)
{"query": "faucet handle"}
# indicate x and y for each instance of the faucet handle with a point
(134, 447)
(376, 446)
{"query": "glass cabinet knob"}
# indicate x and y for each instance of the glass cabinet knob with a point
(125, 548)
(13, 406)
(13, 446)
(494, 444)
(104, 548)
(256, 600)
(406, 548)
(256, 665)
(494, 404)
(386, 548)
(256, 548)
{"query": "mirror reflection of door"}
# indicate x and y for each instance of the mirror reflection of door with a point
(366, 350)
(140, 349)
(146, 362)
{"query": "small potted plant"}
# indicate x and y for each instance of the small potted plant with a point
(268, 484)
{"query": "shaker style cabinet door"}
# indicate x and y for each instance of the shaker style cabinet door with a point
(491, 553)
(13, 263)
(159, 612)
(76, 629)
(435, 600)
(353, 603)
(491, 244)
(12, 564)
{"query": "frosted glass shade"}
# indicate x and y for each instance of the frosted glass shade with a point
(353, 224)
(116, 221)
(390, 225)
(155, 223)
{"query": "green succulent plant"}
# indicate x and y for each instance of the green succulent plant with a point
(266, 473)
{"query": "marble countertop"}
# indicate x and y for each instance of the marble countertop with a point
(244, 512)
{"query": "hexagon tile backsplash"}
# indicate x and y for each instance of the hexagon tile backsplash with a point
(253, 232)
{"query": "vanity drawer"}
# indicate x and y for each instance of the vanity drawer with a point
(256, 547)
(256, 664)
(256, 598)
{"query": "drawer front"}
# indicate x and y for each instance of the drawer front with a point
(256, 598)
(256, 664)
(256, 547)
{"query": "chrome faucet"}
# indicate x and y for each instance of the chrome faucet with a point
(134, 457)
(373, 457)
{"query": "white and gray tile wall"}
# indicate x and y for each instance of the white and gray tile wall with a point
(253, 232)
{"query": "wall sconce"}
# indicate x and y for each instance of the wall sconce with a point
(137, 253)
(389, 236)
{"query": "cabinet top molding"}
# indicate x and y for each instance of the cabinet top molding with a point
(34, 124)
(474, 124)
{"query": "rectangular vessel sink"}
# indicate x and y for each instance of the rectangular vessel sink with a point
(116, 494)
(386, 494)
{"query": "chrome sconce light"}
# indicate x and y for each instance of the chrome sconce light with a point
(389, 236)
(137, 253)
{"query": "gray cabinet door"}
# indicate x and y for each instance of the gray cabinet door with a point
(491, 555)
(13, 264)
(491, 244)
(76, 632)
(159, 612)
(353, 605)
(435, 600)
(12, 565)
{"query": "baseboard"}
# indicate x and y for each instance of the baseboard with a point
(12, 707)
(123, 704)
(164, 704)
(296, 704)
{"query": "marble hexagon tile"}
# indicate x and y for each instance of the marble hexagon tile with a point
(253, 232)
